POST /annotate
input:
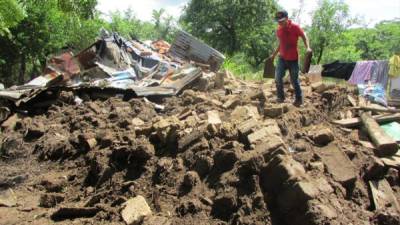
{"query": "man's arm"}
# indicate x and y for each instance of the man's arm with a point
(275, 52)
(306, 42)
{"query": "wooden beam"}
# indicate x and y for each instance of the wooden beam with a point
(383, 196)
(392, 161)
(376, 109)
(386, 145)
(354, 122)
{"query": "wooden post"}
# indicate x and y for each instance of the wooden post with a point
(386, 145)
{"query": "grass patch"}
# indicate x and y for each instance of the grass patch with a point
(240, 68)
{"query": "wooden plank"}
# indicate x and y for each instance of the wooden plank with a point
(377, 109)
(394, 102)
(354, 122)
(366, 144)
(352, 101)
(386, 145)
(392, 161)
(382, 195)
(362, 101)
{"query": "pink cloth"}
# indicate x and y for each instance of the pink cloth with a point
(361, 73)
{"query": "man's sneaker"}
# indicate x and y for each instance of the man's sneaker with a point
(298, 103)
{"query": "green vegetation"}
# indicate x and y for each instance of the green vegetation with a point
(31, 31)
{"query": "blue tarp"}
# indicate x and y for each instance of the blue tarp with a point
(392, 129)
(373, 92)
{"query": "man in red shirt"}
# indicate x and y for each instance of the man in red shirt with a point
(288, 34)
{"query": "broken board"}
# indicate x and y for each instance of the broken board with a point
(338, 165)
(354, 122)
(382, 195)
(352, 101)
(392, 161)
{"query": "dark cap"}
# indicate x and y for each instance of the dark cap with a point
(281, 15)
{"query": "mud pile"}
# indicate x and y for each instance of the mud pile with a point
(224, 156)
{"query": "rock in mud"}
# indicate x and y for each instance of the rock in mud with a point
(231, 103)
(386, 218)
(375, 170)
(156, 220)
(296, 195)
(279, 170)
(224, 206)
(190, 139)
(53, 184)
(203, 165)
(319, 213)
(323, 137)
(35, 131)
(392, 176)
(258, 135)
(225, 159)
(136, 209)
(105, 138)
(189, 207)
(275, 111)
(191, 179)
(8, 199)
(50, 200)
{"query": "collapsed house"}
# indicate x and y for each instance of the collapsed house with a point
(113, 65)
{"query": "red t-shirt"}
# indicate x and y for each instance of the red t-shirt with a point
(288, 37)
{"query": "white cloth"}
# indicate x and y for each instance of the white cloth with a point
(395, 87)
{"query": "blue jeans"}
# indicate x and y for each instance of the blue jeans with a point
(293, 67)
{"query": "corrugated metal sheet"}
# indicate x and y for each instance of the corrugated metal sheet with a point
(188, 47)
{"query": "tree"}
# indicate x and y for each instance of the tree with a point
(363, 43)
(227, 24)
(84, 9)
(126, 24)
(163, 24)
(45, 30)
(329, 21)
(10, 14)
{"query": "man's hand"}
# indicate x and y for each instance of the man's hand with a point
(309, 50)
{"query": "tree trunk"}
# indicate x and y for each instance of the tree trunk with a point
(232, 47)
(321, 51)
(6, 74)
(21, 77)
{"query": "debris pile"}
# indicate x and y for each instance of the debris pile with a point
(225, 154)
(113, 65)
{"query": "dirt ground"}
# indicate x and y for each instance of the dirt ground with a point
(230, 156)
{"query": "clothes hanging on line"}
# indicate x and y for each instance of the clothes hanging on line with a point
(379, 72)
(394, 64)
(373, 71)
(361, 72)
(394, 89)
(337, 69)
